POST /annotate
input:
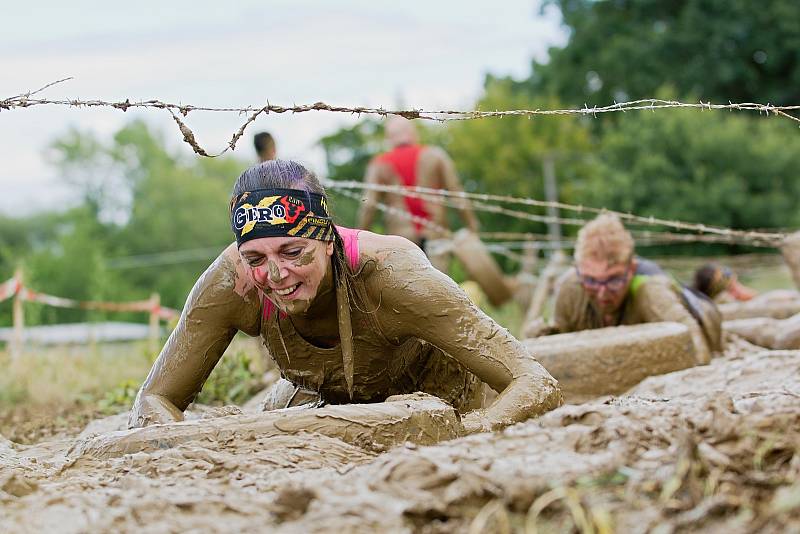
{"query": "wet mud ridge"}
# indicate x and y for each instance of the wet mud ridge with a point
(713, 448)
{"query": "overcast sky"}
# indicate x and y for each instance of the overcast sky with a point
(416, 53)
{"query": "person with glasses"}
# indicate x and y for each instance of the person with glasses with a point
(610, 286)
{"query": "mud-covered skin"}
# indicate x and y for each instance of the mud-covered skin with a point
(407, 317)
(656, 299)
(222, 301)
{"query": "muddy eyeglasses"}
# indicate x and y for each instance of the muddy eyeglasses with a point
(613, 284)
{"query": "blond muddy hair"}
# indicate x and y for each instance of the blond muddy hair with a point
(604, 239)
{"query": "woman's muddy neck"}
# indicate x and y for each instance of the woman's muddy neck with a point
(318, 324)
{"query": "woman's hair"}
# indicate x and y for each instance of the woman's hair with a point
(604, 238)
(277, 173)
(283, 174)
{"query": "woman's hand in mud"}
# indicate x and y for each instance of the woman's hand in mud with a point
(153, 410)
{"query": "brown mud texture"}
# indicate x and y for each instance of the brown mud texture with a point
(609, 361)
(713, 448)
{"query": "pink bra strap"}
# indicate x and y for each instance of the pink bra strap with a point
(351, 252)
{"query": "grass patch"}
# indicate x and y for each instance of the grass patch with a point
(65, 375)
(50, 391)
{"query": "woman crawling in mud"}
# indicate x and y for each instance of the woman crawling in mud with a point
(348, 315)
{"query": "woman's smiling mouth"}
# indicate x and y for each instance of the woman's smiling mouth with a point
(287, 291)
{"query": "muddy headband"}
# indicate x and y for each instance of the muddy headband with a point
(280, 213)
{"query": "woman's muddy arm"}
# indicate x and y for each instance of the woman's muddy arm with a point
(219, 304)
(418, 300)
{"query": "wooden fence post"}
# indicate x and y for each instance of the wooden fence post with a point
(18, 314)
(154, 333)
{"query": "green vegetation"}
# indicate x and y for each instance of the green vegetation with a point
(66, 376)
(138, 202)
(731, 169)
(62, 388)
(717, 50)
(236, 378)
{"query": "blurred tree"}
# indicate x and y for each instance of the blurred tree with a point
(348, 150)
(506, 155)
(714, 168)
(93, 172)
(176, 205)
(71, 266)
(717, 50)
(137, 199)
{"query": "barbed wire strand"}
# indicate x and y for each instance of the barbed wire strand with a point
(641, 237)
(542, 241)
(491, 208)
(646, 238)
(768, 238)
(25, 100)
(445, 232)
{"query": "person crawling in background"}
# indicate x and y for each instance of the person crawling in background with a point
(610, 286)
(721, 284)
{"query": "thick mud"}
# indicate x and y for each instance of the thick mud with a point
(608, 361)
(713, 448)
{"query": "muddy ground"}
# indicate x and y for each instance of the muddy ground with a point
(712, 449)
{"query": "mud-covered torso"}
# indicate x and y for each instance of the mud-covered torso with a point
(426, 174)
(382, 367)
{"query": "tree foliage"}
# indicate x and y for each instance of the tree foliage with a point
(159, 203)
(717, 50)
(714, 168)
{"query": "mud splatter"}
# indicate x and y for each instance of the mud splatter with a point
(274, 271)
(304, 259)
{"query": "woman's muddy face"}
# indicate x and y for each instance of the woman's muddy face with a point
(289, 270)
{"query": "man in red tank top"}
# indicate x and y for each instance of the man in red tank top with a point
(410, 164)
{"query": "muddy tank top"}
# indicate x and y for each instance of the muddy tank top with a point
(381, 368)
